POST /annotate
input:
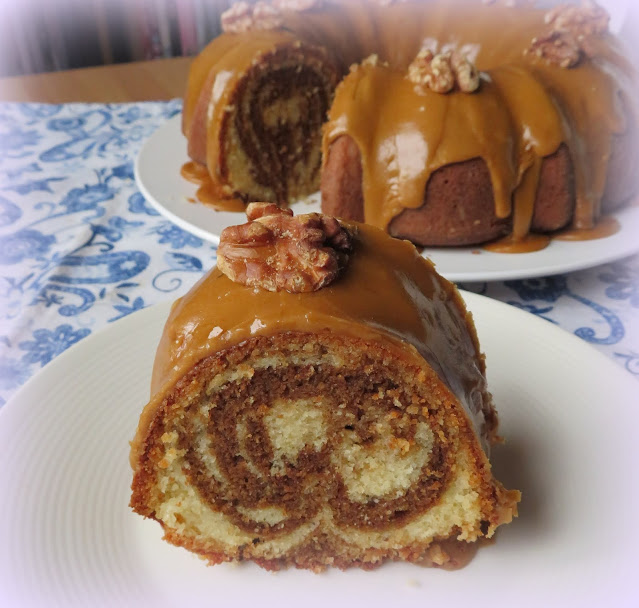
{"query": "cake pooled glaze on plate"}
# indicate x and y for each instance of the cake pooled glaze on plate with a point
(458, 122)
(319, 399)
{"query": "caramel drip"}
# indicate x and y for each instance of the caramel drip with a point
(589, 97)
(388, 294)
(208, 193)
(213, 78)
(198, 74)
(525, 200)
(606, 226)
(194, 172)
(526, 244)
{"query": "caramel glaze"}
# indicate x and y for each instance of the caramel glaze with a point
(606, 226)
(526, 244)
(194, 172)
(524, 110)
(388, 293)
(207, 192)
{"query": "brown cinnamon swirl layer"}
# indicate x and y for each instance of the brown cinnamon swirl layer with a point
(314, 449)
(271, 134)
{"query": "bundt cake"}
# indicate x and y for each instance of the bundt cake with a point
(459, 122)
(319, 399)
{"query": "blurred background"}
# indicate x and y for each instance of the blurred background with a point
(48, 35)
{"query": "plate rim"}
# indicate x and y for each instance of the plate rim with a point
(485, 309)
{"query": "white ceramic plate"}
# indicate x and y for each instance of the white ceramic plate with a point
(157, 172)
(570, 416)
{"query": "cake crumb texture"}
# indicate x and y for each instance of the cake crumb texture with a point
(317, 450)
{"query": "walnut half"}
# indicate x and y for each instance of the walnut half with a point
(238, 18)
(297, 5)
(278, 251)
(443, 72)
(580, 21)
(243, 17)
(558, 48)
(568, 38)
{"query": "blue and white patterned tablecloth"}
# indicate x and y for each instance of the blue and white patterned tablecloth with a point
(81, 248)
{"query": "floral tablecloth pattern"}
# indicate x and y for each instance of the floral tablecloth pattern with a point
(81, 248)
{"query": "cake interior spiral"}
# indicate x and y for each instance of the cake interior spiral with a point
(273, 150)
(267, 118)
(296, 446)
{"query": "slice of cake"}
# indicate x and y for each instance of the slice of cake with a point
(319, 399)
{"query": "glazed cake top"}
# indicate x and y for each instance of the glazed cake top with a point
(386, 293)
